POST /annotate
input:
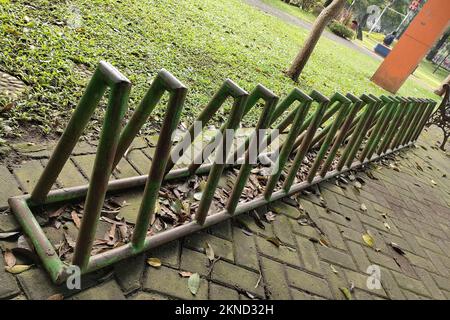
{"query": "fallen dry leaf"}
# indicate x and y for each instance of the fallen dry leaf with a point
(275, 241)
(209, 251)
(346, 293)
(76, 219)
(363, 207)
(387, 226)
(10, 258)
(194, 283)
(324, 242)
(18, 268)
(154, 262)
(185, 274)
(5, 235)
(397, 248)
(333, 269)
(368, 239)
(57, 296)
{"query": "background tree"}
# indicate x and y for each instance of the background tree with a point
(319, 25)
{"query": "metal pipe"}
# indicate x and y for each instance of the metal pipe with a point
(345, 104)
(105, 75)
(221, 155)
(236, 92)
(383, 124)
(251, 154)
(359, 132)
(103, 165)
(385, 110)
(304, 147)
(396, 120)
(356, 105)
(407, 120)
(164, 81)
(286, 149)
(156, 174)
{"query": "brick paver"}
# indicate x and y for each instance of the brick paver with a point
(409, 208)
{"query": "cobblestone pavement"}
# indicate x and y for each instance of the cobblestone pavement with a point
(407, 204)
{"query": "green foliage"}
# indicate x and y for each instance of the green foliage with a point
(341, 30)
(202, 42)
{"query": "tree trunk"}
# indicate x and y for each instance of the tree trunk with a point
(430, 56)
(319, 25)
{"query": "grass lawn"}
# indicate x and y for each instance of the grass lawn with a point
(293, 10)
(201, 42)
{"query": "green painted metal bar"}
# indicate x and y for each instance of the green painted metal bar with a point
(286, 149)
(355, 106)
(105, 75)
(291, 98)
(235, 92)
(331, 110)
(391, 106)
(385, 109)
(430, 109)
(406, 121)
(260, 92)
(225, 91)
(345, 106)
(236, 114)
(103, 165)
(324, 102)
(162, 152)
(42, 246)
(393, 126)
(252, 151)
(421, 107)
(359, 132)
(163, 80)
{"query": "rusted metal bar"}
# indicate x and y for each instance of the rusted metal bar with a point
(328, 114)
(345, 104)
(163, 82)
(103, 165)
(393, 126)
(252, 151)
(155, 177)
(105, 75)
(359, 132)
(406, 121)
(383, 132)
(380, 127)
(41, 244)
(421, 107)
(354, 109)
(222, 151)
(430, 109)
(306, 142)
(225, 91)
(286, 149)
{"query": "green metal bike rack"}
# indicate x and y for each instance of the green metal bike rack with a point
(376, 126)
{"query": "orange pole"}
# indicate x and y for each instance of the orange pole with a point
(426, 28)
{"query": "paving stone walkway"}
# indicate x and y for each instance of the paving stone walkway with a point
(322, 251)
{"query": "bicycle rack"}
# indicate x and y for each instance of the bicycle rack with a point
(388, 124)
